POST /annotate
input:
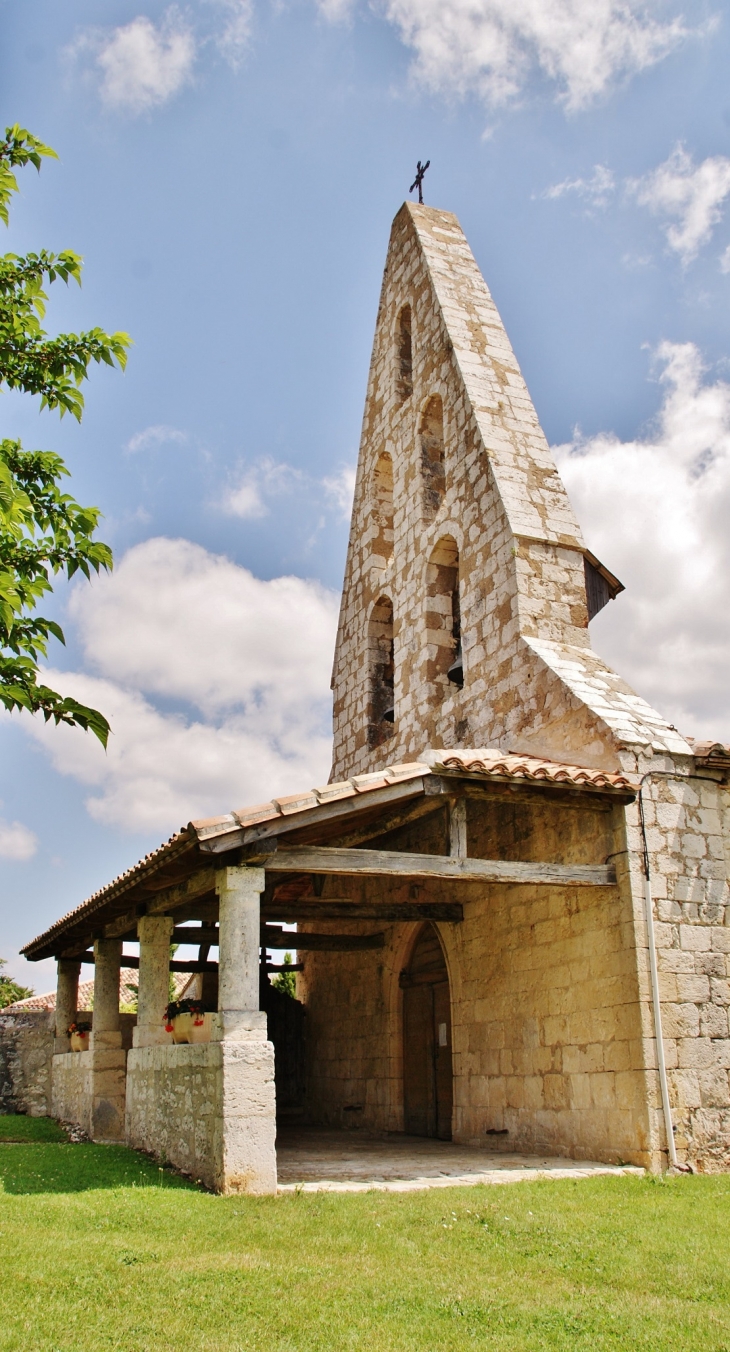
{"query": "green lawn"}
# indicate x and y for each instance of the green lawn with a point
(101, 1249)
(30, 1129)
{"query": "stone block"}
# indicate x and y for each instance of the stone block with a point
(695, 938)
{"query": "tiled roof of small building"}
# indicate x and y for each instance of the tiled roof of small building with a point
(128, 977)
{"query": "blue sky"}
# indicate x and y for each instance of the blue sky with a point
(229, 170)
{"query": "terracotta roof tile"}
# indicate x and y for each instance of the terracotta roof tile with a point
(296, 802)
(330, 793)
(711, 754)
(128, 976)
(509, 765)
(251, 816)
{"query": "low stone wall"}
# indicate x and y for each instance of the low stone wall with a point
(209, 1109)
(72, 1088)
(26, 1049)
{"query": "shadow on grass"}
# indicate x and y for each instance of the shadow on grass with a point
(41, 1168)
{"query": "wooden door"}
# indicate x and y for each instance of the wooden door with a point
(427, 1069)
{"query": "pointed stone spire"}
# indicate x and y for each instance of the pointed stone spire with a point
(464, 617)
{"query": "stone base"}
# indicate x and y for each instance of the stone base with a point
(88, 1088)
(208, 1108)
(108, 1085)
(71, 1088)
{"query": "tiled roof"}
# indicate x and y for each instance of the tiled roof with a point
(177, 844)
(128, 976)
(292, 803)
(501, 765)
(714, 755)
(494, 764)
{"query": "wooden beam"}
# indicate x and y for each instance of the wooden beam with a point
(195, 934)
(391, 821)
(397, 864)
(339, 910)
(133, 962)
(324, 812)
(320, 943)
(162, 900)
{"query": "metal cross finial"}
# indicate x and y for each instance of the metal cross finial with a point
(418, 180)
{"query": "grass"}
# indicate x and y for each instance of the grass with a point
(103, 1250)
(24, 1129)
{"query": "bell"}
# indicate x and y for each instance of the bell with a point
(389, 715)
(455, 672)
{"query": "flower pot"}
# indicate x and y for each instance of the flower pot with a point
(200, 1027)
(80, 1042)
(181, 1028)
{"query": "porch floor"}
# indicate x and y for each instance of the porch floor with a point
(314, 1160)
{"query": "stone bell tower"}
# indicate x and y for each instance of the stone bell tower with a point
(468, 588)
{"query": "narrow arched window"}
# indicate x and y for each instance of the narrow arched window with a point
(381, 670)
(404, 355)
(443, 618)
(382, 508)
(433, 474)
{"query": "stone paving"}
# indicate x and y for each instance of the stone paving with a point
(345, 1161)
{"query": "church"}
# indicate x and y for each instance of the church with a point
(511, 898)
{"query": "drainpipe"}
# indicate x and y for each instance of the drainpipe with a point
(649, 909)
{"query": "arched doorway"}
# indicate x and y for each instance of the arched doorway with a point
(427, 1070)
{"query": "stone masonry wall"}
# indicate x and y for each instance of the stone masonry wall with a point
(26, 1048)
(687, 816)
(209, 1109)
(72, 1089)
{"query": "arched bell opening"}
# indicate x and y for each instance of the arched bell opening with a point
(382, 510)
(443, 617)
(404, 355)
(433, 469)
(381, 672)
(428, 1076)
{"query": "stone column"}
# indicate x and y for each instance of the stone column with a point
(67, 995)
(245, 1132)
(155, 932)
(108, 1067)
(239, 923)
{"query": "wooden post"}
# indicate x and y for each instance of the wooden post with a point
(457, 829)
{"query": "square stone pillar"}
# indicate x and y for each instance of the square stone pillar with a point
(67, 997)
(245, 1131)
(108, 1060)
(155, 932)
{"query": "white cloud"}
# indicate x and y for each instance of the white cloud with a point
(233, 38)
(266, 478)
(139, 65)
(725, 260)
(340, 489)
(17, 842)
(492, 47)
(656, 511)
(252, 659)
(689, 194)
(158, 435)
(596, 190)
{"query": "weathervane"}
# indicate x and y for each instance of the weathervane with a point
(418, 180)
